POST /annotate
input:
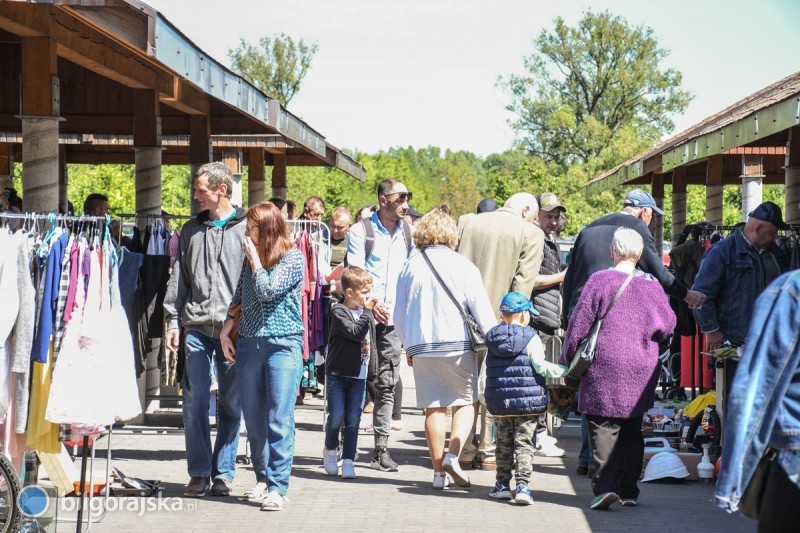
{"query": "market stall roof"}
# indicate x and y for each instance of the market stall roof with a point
(110, 49)
(756, 125)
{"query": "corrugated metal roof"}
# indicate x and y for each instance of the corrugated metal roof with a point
(783, 91)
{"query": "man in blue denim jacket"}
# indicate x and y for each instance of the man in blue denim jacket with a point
(764, 410)
(734, 272)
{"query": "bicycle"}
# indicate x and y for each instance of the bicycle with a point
(9, 492)
(670, 380)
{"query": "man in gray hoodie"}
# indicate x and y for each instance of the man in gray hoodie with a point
(201, 287)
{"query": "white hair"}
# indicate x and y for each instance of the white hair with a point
(627, 244)
(521, 200)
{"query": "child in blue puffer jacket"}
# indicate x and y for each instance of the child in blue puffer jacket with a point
(515, 393)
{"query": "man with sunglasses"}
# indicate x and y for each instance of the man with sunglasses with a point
(380, 245)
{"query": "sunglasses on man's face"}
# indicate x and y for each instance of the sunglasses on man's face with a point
(402, 196)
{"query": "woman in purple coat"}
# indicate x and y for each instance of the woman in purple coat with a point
(619, 386)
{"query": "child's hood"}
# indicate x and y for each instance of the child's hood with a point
(508, 340)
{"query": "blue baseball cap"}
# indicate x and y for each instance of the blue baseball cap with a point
(640, 198)
(514, 302)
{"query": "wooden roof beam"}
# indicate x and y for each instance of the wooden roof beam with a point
(85, 46)
(187, 98)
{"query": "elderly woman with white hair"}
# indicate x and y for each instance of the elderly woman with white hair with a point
(619, 386)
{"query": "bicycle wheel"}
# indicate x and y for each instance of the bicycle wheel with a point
(9, 491)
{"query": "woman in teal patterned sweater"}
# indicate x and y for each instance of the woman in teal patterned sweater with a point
(268, 353)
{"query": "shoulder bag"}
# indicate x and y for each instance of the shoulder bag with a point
(474, 333)
(587, 348)
(753, 496)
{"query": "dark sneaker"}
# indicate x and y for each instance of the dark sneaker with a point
(523, 495)
(221, 487)
(500, 491)
(381, 460)
(628, 502)
(604, 501)
(591, 471)
(582, 470)
(197, 487)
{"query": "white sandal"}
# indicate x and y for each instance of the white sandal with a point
(255, 495)
(439, 480)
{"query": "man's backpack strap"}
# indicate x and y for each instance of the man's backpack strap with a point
(369, 238)
(407, 233)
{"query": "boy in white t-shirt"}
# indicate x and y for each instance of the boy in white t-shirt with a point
(350, 350)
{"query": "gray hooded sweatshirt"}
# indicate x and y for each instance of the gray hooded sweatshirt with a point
(205, 274)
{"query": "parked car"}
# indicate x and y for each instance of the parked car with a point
(565, 245)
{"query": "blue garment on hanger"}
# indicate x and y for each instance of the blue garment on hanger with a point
(52, 279)
(129, 279)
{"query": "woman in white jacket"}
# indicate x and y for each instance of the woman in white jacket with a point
(435, 337)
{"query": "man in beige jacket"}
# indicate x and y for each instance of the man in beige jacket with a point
(507, 247)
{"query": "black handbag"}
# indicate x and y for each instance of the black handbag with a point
(474, 334)
(750, 502)
(587, 348)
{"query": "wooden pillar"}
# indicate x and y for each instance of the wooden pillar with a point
(6, 166)
(233, 160)
(63, 181)
(678, 202)
(279, 176)
(714, 190)
(147, 157)
(658, 220)
(200, 151)
(40, 118)
(147, 144)
(792, 208)
(752, 184)
(255, 176)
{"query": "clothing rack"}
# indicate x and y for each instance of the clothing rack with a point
(153, 215)
(54, 218)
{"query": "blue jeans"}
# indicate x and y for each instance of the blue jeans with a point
(270, 369)
(585, 458)
(201, 352)
(345, 401)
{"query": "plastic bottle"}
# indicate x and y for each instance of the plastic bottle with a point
(705, 470)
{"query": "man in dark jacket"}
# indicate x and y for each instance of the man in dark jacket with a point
(546, 299)
(591, 252)
(201, 286)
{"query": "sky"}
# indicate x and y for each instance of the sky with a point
(423, 72)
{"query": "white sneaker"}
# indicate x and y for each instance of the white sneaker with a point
(451, 466)
(439, 479)
(330, 462)
(397, 425)
(348, 469)
(550, 451)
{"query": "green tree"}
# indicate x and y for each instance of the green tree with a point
(276, 64)
(588, 87)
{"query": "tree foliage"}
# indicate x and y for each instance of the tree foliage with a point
(589, 87)
(276, 64)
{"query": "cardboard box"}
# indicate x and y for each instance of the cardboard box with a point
(690, 460)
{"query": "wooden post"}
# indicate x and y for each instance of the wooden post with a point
(147, 157)
(6, 166)
(233, 160)
(255, 176)
(678, 202)
(40, 118)
(792, 207)
(714, 189)
(279, 176)
(200, 151)
(63, 181)
(658, 220)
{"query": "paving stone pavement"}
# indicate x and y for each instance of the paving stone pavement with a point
(401, 501)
